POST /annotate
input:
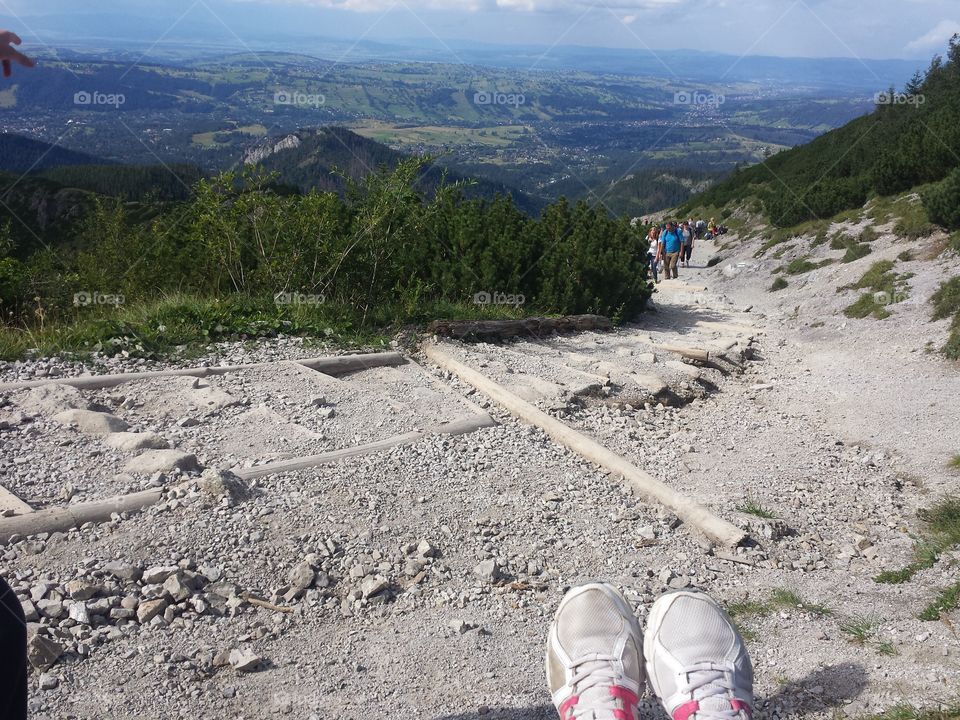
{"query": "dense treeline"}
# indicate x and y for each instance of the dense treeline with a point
(129, 182)
(19, 154)
(912, 138)
(383, 245)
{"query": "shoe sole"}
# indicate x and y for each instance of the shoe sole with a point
(655, 620)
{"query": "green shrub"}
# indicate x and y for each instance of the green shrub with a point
(855, 251)
(778, 284)
(383, 254)
(942, 201)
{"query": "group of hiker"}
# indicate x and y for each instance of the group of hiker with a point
(671, 244)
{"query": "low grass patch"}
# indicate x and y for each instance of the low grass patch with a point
(941, 532)
(946, 303)
(909, 712)
(753, 507)
(185, 324)
(804, 265)
(947, 599)
(855, 251)
(954, 462)
(780, 598)
(778, 284)
(886, 288)
(867, 306)
(955, 241)
(912, 221)
(853, 247)
(776, 236)
(859, 629)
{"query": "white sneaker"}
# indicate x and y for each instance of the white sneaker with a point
(696, 660)
(594, 661)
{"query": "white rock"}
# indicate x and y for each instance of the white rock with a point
(153, 461)
(90, 422)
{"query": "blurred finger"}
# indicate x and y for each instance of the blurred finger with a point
(18, 56)
(6, 68)
(9, 37)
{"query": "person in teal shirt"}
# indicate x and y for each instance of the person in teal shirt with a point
(672, 241)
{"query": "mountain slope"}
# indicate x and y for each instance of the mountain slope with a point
(320, 159)
(912, 138)
(19, 154)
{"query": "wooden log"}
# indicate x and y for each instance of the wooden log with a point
(500, 330)
(59, 519)
(456, 427)
(691, 353)
(715, 528)
(71, 516)
(337, 365)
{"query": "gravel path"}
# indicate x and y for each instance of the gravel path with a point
(421, 580)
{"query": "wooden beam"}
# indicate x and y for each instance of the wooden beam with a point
(336, 365)
(456, 427)
(715, 528)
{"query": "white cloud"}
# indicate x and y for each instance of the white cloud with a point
(936, 39)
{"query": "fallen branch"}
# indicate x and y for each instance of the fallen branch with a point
(715, 528)
(260, 602)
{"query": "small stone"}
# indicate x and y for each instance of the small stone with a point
(123, 571)
(155, 575)
(374, 585)
(178, 587)
(90, 422)
(153, 461)
(488, 570)
(244, 660)
(460, 626)
(188, 422)
(149, 609)
(679, 583)
(301, 577)
(42, 652)
(426, 550)
(30, 611)
(78, 612)
(50, 608)
(48, 682)
(412, 568)
(81, 590)
(131, 442)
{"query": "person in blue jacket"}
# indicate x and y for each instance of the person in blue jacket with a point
(671, 242)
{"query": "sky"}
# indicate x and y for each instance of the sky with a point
(806, 28)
